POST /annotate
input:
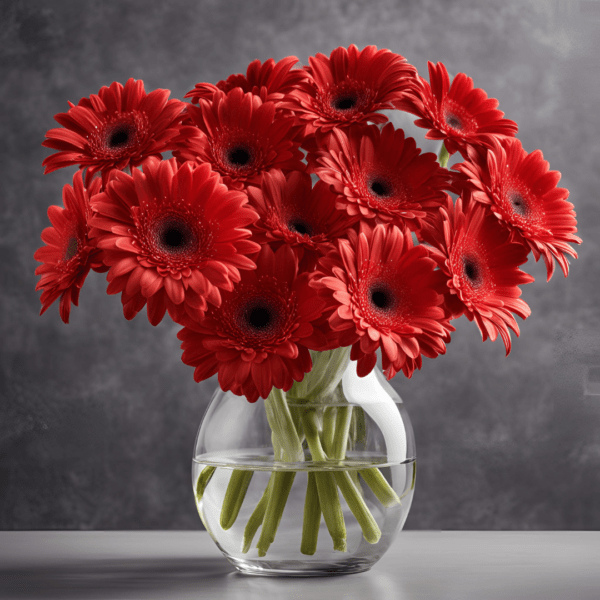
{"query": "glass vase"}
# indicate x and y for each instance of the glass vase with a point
(315, 481)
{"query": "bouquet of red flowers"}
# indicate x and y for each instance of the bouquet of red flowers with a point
(294, 227)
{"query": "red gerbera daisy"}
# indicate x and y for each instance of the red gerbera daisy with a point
(173, 237)
(260, 334)
(380, 173)
(350, 86)
(481, 265)
(270, 80)
(119, 127)
(293, 212)
(382, 292)
(241, 137)
(68, 254)
(459, 114)
(522, 192)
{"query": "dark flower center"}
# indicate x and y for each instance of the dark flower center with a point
(519, 205)
(380, 188)
(381, 298)
(121, 134)
(258, 317)
(454, 121)
(346, 102)
(472, 271)
(300, 227)
(239, 156)
(72, 248)
(175, 236)
(118, 138)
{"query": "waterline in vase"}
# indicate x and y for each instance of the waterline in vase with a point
(286, 546)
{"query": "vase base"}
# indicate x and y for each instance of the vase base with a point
(296, 568)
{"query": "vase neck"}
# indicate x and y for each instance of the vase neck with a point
(326, 374)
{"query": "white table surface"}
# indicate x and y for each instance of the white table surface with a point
(421, 565)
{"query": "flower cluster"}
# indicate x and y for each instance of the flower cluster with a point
(293, 217)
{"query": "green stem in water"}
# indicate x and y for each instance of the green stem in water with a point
(356, 480)
(373, 477)
(312, 517)
(345, 482)
(358, 507)
(380, 487)
(203, 480)
(326, 486)
(256, 518)
(279, 490)
(443, 156)
(234, 497)
(332, 509)
(287, 446)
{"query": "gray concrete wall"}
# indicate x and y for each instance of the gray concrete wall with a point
(98, 418)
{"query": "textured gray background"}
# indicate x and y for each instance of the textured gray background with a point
(98, 418)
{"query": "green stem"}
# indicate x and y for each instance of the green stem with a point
(312, 517)
(358, 507)
(332, 509)
(344, 480)
(331, 371)
(373, 477)
(287, 447)
(283, 426)
(443, 156)
(326, 486)
(329, 430)
(256, 518)
(327, 370)
(278, 495)
(349, 483)
(380, 487)
(356, 480)
(342, 428)
(311, 431)
(358, 427)
(203, 480)
(234, 497)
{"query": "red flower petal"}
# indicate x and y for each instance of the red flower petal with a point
(388, 300)
(351, 86)
(121, 126)
(458, 113)
(264, 322)
(522, 192)
(69, 253)
(163, 227)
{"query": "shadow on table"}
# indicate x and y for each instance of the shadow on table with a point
(178, 578)
(360, 586)
(102, 579)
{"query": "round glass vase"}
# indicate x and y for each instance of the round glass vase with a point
(315, 481)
